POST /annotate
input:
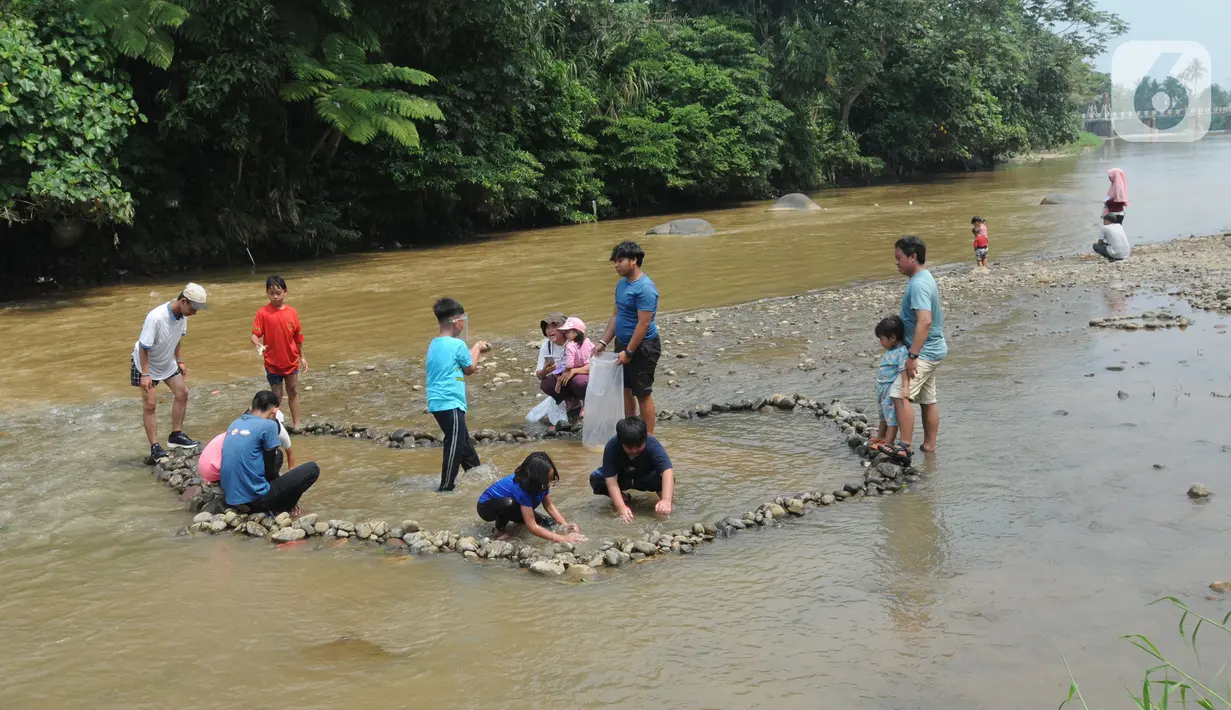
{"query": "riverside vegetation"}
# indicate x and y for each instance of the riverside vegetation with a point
(145, 136)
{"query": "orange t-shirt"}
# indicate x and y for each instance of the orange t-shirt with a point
(283, 335)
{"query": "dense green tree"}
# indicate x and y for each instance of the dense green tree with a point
(150, 135)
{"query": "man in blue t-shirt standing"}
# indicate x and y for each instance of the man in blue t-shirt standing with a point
(634, 460)
(925, 342)
(249, 471)
(449, 361)
(636, 335)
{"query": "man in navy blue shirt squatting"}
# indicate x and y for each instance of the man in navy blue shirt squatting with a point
(634, 460)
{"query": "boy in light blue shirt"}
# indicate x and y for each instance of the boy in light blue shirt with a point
(448, 363)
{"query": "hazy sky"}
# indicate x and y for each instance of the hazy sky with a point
(1204, 21)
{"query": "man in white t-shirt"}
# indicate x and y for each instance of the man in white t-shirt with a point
(156, 358)
(1113, 241)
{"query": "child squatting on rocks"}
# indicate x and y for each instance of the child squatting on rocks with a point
(892, 334)
(513, 499)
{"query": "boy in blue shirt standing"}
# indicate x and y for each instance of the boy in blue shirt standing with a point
(636, 335)
(448, 363)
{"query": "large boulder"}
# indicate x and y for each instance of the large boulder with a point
(795, 202)
(1060, 198)
(685, 227)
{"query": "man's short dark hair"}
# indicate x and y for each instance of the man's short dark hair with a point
(891, 326)
(628, 250)
(275, 280)
(446, 309)
(631, 431)
(913, 246)
(265, 401)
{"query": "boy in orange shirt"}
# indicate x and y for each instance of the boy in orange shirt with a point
(278, 337)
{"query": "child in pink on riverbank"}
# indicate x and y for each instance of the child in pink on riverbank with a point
(571, 384)
(978, 227)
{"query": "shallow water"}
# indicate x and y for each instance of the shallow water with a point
(1035, 534)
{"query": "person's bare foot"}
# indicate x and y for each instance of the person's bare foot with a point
(504, 536)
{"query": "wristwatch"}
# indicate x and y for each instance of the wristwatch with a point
(913, 356)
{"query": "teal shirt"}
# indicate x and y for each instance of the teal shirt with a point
(922, 294)
(446, 383)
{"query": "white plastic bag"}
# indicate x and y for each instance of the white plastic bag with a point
(554, 411)
(604, 401)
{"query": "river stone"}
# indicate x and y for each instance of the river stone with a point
(288, 535)
(468, 544)
(1060, 198)
(611, 558)
(1198, 490)
(735, 523)
(645, 548)
(217, 525)
(380, 529)
(283, 519)
(410, 526)
(795, 506)
(470, 555)
(888, 470)
(828, 499)
(202, 518)
(1221, 587)
(547, 568)
(686, 227)
(795, 202)
(777, 511)
(254, 529)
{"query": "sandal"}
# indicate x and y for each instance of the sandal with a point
(898, 453)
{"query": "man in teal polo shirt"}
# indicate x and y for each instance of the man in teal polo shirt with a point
(925, 341)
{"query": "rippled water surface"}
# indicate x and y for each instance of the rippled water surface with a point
(1043, 527)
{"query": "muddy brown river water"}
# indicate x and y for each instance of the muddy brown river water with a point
(1035, 533)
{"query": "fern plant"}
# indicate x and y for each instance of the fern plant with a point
(140, 29)
(353, 95)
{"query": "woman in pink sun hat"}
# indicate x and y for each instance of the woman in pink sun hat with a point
(571, 384)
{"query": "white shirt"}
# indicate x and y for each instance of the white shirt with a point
(159, 337)
(284, 436)
(1117, 241)
(549, 349)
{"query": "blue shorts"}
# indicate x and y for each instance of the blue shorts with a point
(273, 379)
(889, 414)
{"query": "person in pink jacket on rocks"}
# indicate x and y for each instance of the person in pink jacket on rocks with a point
(570, 387)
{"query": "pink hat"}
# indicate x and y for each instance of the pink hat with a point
(574, 324)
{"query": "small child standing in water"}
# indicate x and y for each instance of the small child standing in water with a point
(978, 227)
(892, 334)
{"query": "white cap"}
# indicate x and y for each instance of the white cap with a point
(195, 294)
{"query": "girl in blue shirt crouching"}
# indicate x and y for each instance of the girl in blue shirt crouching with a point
(514, 499)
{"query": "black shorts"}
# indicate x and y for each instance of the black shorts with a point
(639, 372)
(652, 483)
(134, 374)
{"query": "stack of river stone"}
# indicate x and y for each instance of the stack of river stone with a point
(881, 477)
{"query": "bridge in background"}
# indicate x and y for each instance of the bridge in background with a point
(1099, 120)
